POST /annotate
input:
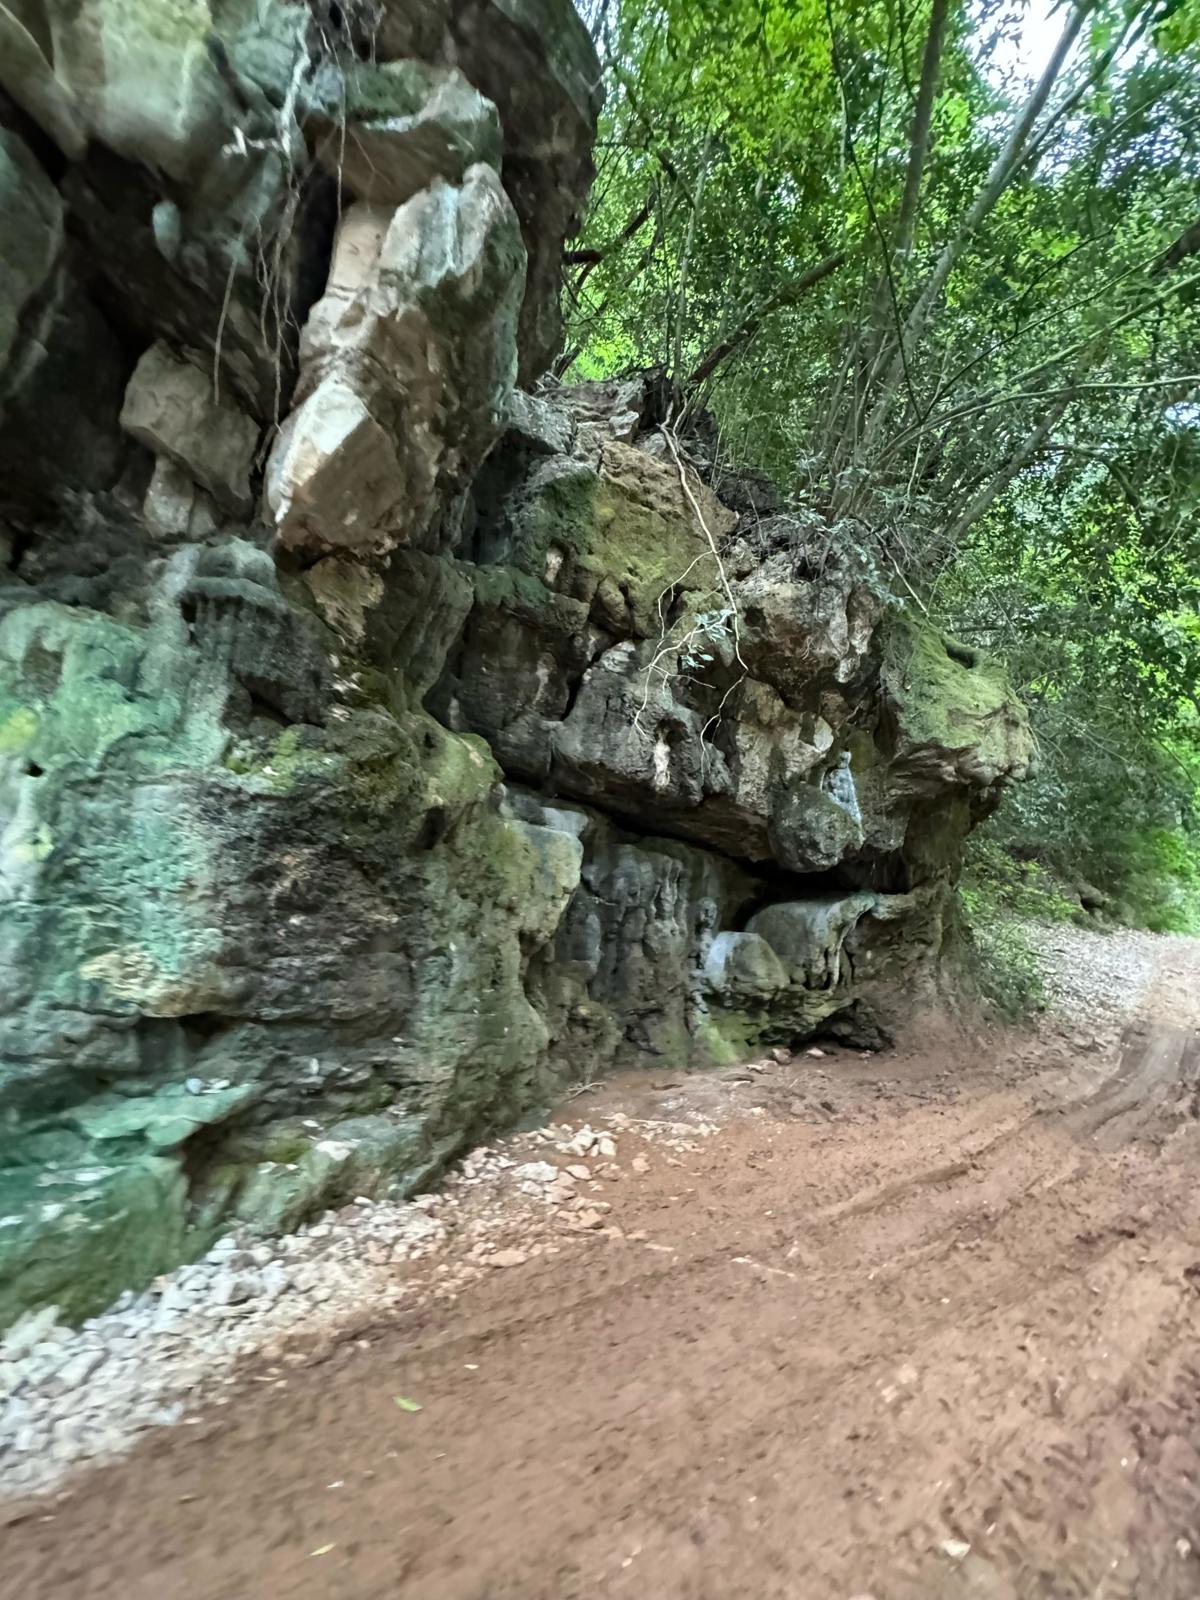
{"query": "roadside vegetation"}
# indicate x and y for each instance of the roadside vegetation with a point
(934, 265)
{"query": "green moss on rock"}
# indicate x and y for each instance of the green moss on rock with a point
(76, 1236)
(592, 538)
(956, 711)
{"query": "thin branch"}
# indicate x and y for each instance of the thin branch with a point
(590, 259)
(1101, 459)
(1002, 172)
(787, 295)
(685, 258)
(984, 498)
(921, 138)
(1186, 380)
(888, 279)
(1095, 337)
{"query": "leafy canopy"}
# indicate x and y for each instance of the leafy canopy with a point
(956, 313)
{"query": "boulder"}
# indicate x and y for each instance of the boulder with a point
(171, 408)
(27, 73)
(536, 422)
(148, 91)
(535, 60)
(958, 722)
(809, 831)
(175, 506)
(335, 478)
(408, 365)
(809, 936)
(387, 130)
(742, 969)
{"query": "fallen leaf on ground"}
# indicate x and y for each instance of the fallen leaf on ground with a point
(321, 1550)
(406, 1404)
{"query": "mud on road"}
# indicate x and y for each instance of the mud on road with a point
(917, 1327)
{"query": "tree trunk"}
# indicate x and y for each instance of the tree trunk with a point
(1003, 170)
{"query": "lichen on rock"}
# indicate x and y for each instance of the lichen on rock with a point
(383, 745)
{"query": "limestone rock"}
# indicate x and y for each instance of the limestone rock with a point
(535, 60)
(283, 925)
(175, 506)
(170, 408)
(809, 831)
(508, 1258)
(408, 369)
(539, 424)
(32, 235)
(614, 408)
(388, 130)
(809, 936)
(959, 722)
(151, 92)
(743, 967)
(27, 72)
(334, 476)
(805, 609)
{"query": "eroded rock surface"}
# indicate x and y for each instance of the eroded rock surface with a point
(383, 746)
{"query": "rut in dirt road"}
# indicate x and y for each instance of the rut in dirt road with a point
(936, 1341)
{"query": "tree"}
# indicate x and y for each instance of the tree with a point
(957, 317)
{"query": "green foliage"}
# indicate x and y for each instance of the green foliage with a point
(1114, 811)
(999, 896)
(996, 885)
(1007, 968)
(973, 348)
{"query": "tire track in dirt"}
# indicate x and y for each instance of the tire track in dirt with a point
(934, 1351)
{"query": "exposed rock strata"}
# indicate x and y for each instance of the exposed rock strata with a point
(381, 745)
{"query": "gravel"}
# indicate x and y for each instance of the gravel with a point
(1094, 977)
(70, 1396)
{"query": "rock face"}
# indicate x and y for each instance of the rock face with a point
(382, 745)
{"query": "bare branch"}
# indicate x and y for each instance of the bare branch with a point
(785, 296)
(1002, 172)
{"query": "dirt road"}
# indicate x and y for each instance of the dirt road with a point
(912, 1328)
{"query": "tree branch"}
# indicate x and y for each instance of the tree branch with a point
(984, 498)
(1184, 380)
(1098, 456)
(922, 134)
(787, 295)
(887, 281)
(591, 259)
(1003, 170)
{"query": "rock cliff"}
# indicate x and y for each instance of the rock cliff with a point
(388, 738)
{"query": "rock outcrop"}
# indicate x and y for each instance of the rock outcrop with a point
(382, 744)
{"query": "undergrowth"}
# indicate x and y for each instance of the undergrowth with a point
(999, 896)
(1007, 968)
(997, 885)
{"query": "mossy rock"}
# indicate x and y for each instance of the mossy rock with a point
(592, 538)
(75, 1237)
(957, 715)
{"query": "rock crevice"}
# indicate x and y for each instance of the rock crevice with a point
(382, 744)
